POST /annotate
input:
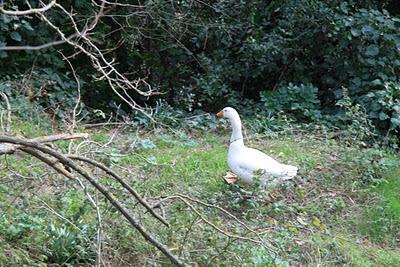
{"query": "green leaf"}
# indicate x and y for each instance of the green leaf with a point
(395, 122)
(355, 32)
(367, 30)
(316, 222)
(6, 19)
(344, 8)
(371, 61)
(16, 36)
(376, 82)
(3, 54)
(26, 25)
(372, 50)
(383, 116)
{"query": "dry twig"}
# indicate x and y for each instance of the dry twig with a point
(8, 125)
(75, 113)
(186, 199)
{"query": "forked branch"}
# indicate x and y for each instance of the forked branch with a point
(8, 148)
(28, 11)
(53, 158)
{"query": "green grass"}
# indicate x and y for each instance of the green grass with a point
(381, 221)
(339, 193)
(29, 130)
(369, 255)
(390, 191)
(176, 166)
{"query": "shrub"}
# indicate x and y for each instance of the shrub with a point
(43, 90)
(384, 106)
(301, 101)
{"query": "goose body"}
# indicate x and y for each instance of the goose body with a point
(250, 164)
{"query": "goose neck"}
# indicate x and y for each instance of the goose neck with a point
(236, 130)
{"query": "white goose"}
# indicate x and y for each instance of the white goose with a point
(248, 163)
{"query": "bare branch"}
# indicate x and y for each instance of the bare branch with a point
(8, 126)
(9, 148)
(78, 100)
(29, 11)
(105, 124)
(118, 82)
(39, 47)
(203, 218)
(55, 164)
(123, 183)
(70, 163)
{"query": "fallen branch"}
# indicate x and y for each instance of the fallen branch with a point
(105, 124)
(43, 151)
(11, 148)
(123, 183)
(55, 164)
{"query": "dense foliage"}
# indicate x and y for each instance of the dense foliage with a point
(292, 56)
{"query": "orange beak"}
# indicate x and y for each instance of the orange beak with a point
(220, 114)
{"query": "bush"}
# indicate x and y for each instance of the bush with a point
(384, 106)
(43, 90)
(301, 101)
(208, 56)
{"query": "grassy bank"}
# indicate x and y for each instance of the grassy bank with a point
(343, 208)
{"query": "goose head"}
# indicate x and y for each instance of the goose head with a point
(233, 116)
(229, 113)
